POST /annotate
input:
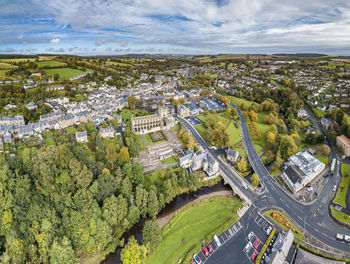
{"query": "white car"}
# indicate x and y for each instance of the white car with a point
(334, 188)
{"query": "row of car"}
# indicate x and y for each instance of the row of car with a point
(206, 251)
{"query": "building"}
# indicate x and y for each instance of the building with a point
(183, 111)
(344, 143)
(31, 106)
(232, 155)
(81, 137)
(283, 249)
(152, 123)
(200, 160)
(107, 132)
(326, 122)
(300, 169)
(302, 113)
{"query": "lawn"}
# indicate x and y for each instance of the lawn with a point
(319, 113)
(344, 184)
(49, 141)
(65, 73)
(341, 216)
(169, 160)
(295, 230)
(142, 146)
(234, 100)
(323, 158)
(191, 225)
(3, 73)
(235, 132)
(50, 63)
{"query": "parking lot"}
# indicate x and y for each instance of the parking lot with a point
(233, 249)
(223, 237)
(193, 120)
(211, 103)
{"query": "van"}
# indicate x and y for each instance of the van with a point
(248, 247)
(217, 241)
(244, 185)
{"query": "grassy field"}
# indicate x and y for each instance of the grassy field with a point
(49, 141)
(235, 132)
(3, 73)
(191, 225)
(50, 63)
(117, 63)
(344, 184)
(6, 66)
(170, 160)
(299, 235)
(65, 73)
(17, 60)
(323, 158)
(262, 127)
(234, 99)
(149, 140)
(71, 130)
(140, 143)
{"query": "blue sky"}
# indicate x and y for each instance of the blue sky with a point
(96, 27)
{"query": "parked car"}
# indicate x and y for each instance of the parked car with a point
(248, 247)
(268, 231)
(257, 243)
(205, 251)
(310, 189)
(197, 259)
(193, 262)
(253, 257)
(250, 235)
(210, 249)
(334, 188)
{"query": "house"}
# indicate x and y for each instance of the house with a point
(31, 106)
(7, 137)
(326, 122)
(200, 160)
(283, 249)
(183, 111)
(300, 169)
(302, 113)
(107, 132)
(321, 107)
(344, 143)
(81, 137)
(232, 155)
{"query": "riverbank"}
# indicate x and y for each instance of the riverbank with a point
(164, 220)
(193, 225)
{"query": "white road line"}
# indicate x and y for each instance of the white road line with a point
(317, 230)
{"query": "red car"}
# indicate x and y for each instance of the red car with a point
(253, 256)
(209, 248)
(205, 251)
(257, 243)
(193, 262)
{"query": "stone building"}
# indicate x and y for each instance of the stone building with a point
(183, 111)
(152, 123)
(200, 160)
(344, 143)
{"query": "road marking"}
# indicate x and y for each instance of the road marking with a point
(317, 230)
(300, 218)
(323, 234)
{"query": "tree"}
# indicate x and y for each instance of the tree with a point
(132, 253)
(269, 119)
(287, 146)
(255, 180)
(131, 102)
(325, 150)
(56, 76)
(123, 156)
(151, 235)
(153, 204)
(191, 143)
(270, 138)
(137, 173)
(242, 165)
(62, 252)
(253, 115)
(111, 153)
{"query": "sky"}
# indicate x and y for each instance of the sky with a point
(114, 27)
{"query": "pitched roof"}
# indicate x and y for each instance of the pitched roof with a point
(344, 140)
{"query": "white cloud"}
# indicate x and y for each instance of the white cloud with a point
(55, 40)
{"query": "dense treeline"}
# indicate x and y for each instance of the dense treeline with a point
(58, 205)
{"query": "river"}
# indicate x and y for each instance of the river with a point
(178, 202)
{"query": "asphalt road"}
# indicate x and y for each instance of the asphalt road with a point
(313, 217)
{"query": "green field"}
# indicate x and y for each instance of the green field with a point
(235, 133)
(234, 99)
(344, 184)
(6, 66)
(65, 73)
(18, 60)
(169, 160)
(49, 141)
(191, 225)
(3, 73)
(323, 158)
(50, 63)
(117, 63)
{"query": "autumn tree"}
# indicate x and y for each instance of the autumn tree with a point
(123, 156)
(254, 180)
(132, 253)
(242, 165)
(325, 150)
(287, 146)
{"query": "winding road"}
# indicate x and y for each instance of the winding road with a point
(313, 217)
